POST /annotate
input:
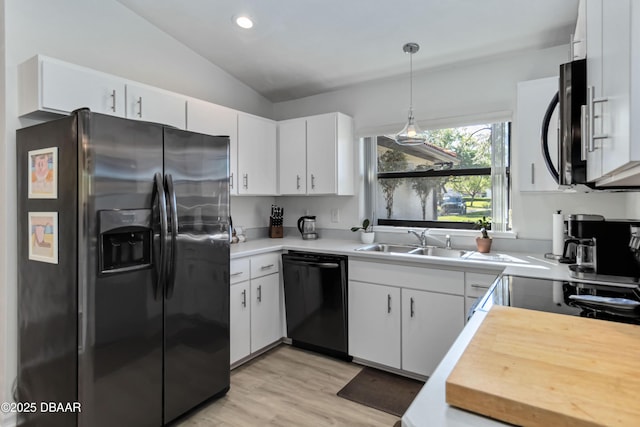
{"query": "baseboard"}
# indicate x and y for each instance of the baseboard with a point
(389, 369)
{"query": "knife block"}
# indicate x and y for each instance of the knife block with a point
(275, 231)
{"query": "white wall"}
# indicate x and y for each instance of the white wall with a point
(104, 35)
(466, 90)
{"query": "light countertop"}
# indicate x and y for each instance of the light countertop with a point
(429, 409)
(514, 263)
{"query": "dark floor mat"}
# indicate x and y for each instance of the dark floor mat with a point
(382, 390)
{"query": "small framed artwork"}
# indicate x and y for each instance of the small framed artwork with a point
(43, 173)
(43, 236)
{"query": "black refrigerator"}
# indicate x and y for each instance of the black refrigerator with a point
(123, 270)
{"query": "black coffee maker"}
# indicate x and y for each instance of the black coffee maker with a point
(602, 248)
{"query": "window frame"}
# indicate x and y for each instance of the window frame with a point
(371, 176)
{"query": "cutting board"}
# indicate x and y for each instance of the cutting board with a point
(533, 368)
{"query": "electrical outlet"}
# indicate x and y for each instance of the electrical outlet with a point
(335, 215)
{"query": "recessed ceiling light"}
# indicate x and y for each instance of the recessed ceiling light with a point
(244, 22)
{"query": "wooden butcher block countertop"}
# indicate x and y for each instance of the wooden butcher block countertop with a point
(533, 368)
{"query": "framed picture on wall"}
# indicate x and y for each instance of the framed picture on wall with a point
(43, 173)
(43, 237)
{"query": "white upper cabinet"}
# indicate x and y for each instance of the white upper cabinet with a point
(533, 98)
(212, 119)
(49, 85)
(594, 85)
(579, 42)
(292, 149)
(257, 171)
(613, 77)
(155, 105)
(316, 155)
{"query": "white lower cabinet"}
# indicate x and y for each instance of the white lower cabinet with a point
(265, 311)
(475, 286)
(240, 321)
(374, 323)
(255, 305)
(403, 317)
(430, 324)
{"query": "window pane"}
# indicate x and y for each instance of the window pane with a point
(458, 177)
(455, 148)
(458, 199)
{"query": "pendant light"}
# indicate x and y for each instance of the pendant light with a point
(411, 134)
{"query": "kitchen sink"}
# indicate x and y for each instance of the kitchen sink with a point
(440, 252)
(383, 247)
(414, 250)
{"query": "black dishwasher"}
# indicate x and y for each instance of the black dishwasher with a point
(315, 293)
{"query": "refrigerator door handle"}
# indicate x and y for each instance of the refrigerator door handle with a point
(173, 211)
(160, 197)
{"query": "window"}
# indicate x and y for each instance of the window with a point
(458, 177)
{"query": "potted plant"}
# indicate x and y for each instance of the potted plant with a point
(367, 235)
(483, 243)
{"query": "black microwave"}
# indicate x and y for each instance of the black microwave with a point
(571, 96)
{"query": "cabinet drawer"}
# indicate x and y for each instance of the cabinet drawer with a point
(421, 278)
(262, 265)
(477, 284)
(239, 270)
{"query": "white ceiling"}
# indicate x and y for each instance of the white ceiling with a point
(299, 48)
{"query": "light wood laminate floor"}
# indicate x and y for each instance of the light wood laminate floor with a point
(289, 387)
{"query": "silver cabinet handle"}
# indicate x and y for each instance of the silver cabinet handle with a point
(313, 182)
(244, 298)
(592, 101)
(237, 273)
(388, 303)
(265, 267)
(474, 285)
(411, 306)
(245, 181)
(139, 106)
(533, 173)
(297, 182)
(584, 130)
(231, 181)
(113, 100)
(260, 293)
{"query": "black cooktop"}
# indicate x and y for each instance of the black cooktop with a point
(597, 301)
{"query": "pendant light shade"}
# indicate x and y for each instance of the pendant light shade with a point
(411, 134)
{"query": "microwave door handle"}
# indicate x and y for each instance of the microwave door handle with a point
(545, 138)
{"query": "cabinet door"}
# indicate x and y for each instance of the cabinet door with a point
(616, 84)
(322, 154)
(292, 156)
(594, 80)
(155, 105)
(533, 98)
(256, 155)
(240, 321)
(66, 88)
(374, 323)
(430, 324)
(212, 119)
(266, 326)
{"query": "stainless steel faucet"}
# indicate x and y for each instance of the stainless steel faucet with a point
(422, 237)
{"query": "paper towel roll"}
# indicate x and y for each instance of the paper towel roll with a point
(558, 233)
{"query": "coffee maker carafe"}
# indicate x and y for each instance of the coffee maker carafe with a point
(602, 248)
(307, 227)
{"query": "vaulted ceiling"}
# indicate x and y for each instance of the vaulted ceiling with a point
(299, 48)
